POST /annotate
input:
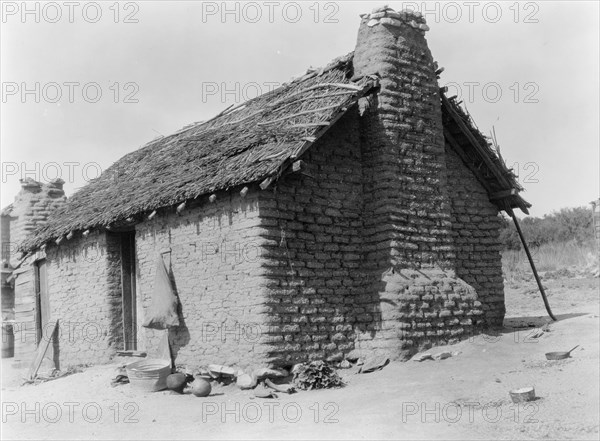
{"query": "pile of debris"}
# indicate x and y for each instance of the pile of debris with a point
(264, 382)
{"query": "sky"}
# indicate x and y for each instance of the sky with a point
(84, 83)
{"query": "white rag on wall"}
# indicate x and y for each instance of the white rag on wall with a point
(162, 314)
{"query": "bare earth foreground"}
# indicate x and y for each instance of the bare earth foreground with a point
(462, 397)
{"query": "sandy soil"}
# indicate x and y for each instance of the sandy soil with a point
(462, 397)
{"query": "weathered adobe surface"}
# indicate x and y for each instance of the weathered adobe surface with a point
(213, 254)
(30, 210)
(318, 291)
(84, 283)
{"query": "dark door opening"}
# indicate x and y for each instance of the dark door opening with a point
(128, 290)
(42, 303)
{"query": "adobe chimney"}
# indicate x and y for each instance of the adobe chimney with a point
(407, 208)
(30, 210)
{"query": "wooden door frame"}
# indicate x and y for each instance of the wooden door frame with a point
(42, 298)
(128, 290)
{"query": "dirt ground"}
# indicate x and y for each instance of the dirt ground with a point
(462, 397)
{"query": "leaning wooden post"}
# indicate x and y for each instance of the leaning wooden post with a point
(537, 278)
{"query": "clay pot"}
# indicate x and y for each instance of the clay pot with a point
(176, 382)
(200, 387)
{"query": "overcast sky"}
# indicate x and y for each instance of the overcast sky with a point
(111, 77)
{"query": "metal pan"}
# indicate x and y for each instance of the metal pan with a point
(559, 355)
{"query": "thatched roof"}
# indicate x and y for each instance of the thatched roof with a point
(245, 144)
(482, 158)
(253, 142)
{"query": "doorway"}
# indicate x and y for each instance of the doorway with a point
(42, 303)
(128, 290)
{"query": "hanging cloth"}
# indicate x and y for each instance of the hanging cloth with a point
(162, 314)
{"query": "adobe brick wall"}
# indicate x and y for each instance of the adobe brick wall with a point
(421, 308)
(213, 256)
(476, 231)
(84, 279)
(318, 292)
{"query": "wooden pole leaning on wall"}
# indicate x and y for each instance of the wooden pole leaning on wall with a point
(535, 273)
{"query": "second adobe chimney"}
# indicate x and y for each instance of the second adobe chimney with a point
(407, 208)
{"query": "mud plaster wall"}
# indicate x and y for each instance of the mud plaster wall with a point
(476, 231)
(318, 292)
(84, 283)
(212, 253)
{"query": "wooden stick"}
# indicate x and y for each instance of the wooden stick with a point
(537, 278)
(315, 124)
(41, 353)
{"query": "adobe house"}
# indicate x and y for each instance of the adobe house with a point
(354, 209)
(21, 278)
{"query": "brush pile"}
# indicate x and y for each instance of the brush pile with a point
(316, 375)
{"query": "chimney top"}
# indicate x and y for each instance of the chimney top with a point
(56, 183)
(388, 17)
(29, 184)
